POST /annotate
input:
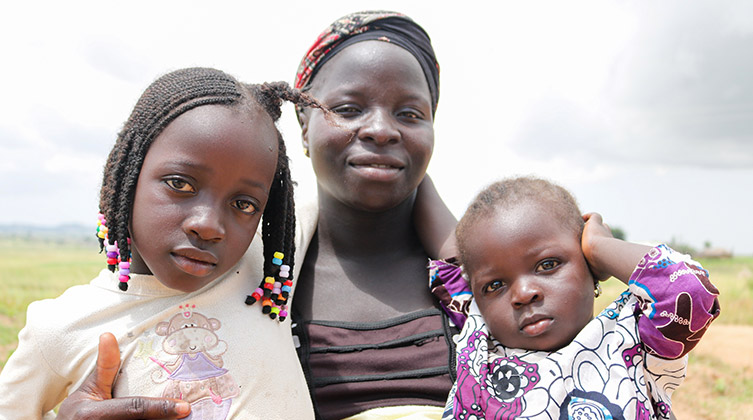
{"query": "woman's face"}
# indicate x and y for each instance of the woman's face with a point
(376, 153)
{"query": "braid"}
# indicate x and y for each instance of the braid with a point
(278, 220)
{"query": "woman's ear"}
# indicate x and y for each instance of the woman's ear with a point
(303, 120)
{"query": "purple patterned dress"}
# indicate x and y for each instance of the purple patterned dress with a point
(624, 364)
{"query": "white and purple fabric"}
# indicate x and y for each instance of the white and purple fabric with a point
(624, 364)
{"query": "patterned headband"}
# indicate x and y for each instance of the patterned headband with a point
(392, 27)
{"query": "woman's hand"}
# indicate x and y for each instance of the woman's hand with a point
(93, 399)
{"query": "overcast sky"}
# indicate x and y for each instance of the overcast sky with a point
(644, 110)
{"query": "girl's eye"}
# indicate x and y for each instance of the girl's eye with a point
(547, 265)
(179, 185)
(493, 286)
(245, 206)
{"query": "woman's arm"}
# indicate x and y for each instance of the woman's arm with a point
(93, 399)
(435, 224)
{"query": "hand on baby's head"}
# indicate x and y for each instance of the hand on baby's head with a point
(594, 230)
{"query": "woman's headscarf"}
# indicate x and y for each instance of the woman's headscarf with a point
(385, 26)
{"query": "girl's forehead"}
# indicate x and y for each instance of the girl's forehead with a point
(220, 129)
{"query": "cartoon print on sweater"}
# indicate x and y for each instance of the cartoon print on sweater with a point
(194, 372)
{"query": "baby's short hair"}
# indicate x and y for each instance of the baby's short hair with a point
(510, 192)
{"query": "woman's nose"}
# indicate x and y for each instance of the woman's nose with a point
(205, 222)
(380, 127)
(525, 291)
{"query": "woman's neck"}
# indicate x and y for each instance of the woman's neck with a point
(354, 232)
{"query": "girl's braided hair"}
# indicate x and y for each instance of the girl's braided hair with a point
(161, 103)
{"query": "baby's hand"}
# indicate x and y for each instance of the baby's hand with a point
(593, 232)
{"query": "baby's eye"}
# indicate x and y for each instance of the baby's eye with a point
(547, 265)
(179, 185)
(245, 206)
(493, 286)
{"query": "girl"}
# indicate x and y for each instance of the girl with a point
(185, 186)
(531, 348)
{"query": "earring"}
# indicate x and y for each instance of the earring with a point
(597, 290)
(306, 151)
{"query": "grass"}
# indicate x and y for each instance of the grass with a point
(717, 386)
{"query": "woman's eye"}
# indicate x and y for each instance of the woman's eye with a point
(245, 206)
(179, 185)
(493, 286)
(547, 265)
(411, 115)
(346, 110)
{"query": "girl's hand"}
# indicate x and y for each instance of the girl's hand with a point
(594, 231)
(93, 399)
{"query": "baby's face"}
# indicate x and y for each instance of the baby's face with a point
(529, 278)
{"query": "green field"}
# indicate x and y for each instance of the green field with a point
(32, 270)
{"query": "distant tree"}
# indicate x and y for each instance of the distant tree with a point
(618, 233)
(682, 247)
(707, 245)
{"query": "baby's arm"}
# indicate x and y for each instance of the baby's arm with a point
(677, 300)
(606, 255)
(435, 224)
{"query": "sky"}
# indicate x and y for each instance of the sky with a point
(644, 110)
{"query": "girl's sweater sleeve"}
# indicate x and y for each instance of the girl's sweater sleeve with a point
(29, 387)
(676, 302)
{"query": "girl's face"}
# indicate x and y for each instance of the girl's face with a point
(201, 193)
(529, 278)
(377, 153)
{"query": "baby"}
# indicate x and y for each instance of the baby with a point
(530, 347)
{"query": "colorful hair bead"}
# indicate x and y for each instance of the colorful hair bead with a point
(273, 291)
(254, 297)
(114, 259)
(274, 311)
(266, 305)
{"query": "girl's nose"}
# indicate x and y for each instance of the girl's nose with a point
(205, 222)
(525, 291)
(379, 126)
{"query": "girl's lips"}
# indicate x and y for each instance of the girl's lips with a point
(193, 266)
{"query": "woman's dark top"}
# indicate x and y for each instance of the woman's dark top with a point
(352, 367)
